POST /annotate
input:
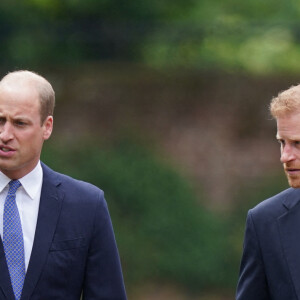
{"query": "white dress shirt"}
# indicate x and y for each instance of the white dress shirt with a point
(28, 201)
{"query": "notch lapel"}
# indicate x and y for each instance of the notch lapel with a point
(289, 225)
(49, 210)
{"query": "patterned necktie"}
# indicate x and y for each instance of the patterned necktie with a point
(13, 240)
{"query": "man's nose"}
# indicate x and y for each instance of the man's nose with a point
(6, 132)
(287, 154)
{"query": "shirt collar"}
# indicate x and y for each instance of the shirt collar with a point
(30, 182)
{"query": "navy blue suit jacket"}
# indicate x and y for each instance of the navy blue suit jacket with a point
(270, 266)
(74, 250)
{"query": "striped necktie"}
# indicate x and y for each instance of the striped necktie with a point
(13, 240)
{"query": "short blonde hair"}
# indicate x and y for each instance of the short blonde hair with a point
(286, 102)
(43, 87)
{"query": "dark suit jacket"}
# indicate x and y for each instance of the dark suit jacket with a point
(270, 266)
(74, 249)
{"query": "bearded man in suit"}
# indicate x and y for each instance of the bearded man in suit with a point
(57, 240)
(270, 266)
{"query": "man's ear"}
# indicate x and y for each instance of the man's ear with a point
(47, 127)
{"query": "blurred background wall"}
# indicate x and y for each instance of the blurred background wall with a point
(164, 105)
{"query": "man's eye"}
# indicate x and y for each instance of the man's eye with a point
(20, 123)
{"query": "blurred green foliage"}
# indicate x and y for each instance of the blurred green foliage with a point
(250, 36)
(257, 190)
(163, 234)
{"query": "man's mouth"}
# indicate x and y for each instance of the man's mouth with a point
(292, 170)
(6, 151)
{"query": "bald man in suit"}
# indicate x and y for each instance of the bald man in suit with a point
(68, 245)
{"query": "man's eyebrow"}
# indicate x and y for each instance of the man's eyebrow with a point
(290, 138)
(19, 118)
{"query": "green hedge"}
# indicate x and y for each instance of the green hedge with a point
(162, 230)
(256, 191)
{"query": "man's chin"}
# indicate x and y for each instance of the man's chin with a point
(294, 183)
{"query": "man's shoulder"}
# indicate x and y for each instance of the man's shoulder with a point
(69, 183)
(274, 200)
(276, 205)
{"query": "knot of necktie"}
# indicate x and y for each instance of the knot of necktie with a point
(13, 186)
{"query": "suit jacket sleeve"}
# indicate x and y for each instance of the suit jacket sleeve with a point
(103, 275)
(252, 284)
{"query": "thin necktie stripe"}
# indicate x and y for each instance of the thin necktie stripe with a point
(13, 240)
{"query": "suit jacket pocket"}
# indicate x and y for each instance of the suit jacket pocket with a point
(67, 244)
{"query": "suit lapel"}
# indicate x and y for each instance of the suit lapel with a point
(49, 210)
(289, 225)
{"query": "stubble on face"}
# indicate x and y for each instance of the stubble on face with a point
(293, 179)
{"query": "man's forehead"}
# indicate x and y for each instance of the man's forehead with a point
(12, 83)
(12, 98)
(288, 119)
(288, 127)
(17, 87)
